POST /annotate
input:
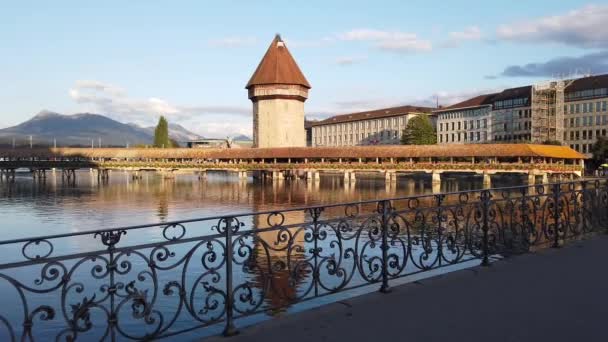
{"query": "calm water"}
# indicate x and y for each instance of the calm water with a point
(31, 208)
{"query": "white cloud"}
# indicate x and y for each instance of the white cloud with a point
(584, 27)
(114, 102)
(350, 60)
(233, 42)
(294, 43)
(388, 40)
(456, 38)
(446, 98)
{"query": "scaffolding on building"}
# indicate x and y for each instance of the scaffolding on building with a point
(548, 111)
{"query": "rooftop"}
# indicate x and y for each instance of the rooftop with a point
(386, 151)
(373, 114)
(277, 67)
(590, 82)
(477, 101)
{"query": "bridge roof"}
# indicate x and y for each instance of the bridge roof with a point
(388, 151)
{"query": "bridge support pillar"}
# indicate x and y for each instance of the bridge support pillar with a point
(487, 180)
(531, 178)
(436, 177)
(545, 178)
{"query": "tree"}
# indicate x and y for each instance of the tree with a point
(600, 151)
(161, 134)
(419, 131)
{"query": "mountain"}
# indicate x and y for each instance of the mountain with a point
(176, 132)
(80, 129)
(241, 137)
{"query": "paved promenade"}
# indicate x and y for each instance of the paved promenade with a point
(553, 295)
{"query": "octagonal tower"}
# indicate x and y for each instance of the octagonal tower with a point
(278, 90)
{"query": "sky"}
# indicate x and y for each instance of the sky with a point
(190, 60)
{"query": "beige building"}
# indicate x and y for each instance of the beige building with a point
(278, 90)
(377, 127)
(573, 112)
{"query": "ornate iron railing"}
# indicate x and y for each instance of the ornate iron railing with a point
(153, 281)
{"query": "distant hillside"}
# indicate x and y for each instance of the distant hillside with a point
(177, 132)
(80, 129)
(241, 137)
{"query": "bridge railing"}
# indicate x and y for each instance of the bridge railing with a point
(152, 281)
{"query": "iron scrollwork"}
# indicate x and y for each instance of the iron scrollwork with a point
(172, 278)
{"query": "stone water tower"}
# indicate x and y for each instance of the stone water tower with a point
(278, 90)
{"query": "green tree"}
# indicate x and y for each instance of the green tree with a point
(600, 151)
(419, 131)
(161, 134)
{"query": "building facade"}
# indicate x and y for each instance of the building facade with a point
(586, 112)
(517, 115)
(377, 127)
(468, 122)
(278, 90)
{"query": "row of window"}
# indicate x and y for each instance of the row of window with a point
(464, 114)
(356, 138)
(584, 148)
(582, 94)
(585, 135)
(513, 137)
(519, 102)
(586, 121)
(466, 124)
(463, 137)
(587, 107)
(360, 125)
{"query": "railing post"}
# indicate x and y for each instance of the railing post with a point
(230, 329)
(385, 206)
(485, 206)
(585, 206)
(556, 214)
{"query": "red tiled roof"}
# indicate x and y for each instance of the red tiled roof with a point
(277, 67)
(397, 151)
(586, 83)
(477, 101)
(373, 114)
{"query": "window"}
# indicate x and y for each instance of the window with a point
(441, 127)
(578, 107)
(598, 120)
(590, 135)
(465, 125)
(485, 123)
(584, 135)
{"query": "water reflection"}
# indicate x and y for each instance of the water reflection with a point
(52, 206)
(273, 268)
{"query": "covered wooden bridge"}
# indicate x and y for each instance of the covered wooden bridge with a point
(308, 162)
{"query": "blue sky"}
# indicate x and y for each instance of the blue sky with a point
(190, 60)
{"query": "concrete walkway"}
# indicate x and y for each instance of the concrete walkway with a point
(553, 295)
